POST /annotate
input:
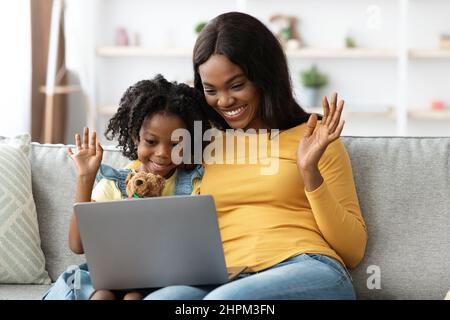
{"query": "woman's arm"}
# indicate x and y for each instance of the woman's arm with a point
(326, 170)
(87, 158)
(335, 205)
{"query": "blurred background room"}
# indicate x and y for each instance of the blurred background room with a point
(65, 64)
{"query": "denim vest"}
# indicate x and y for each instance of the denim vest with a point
(183, 181)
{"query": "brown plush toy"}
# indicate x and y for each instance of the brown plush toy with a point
(144, 184)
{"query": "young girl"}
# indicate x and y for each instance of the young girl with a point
(149, 112)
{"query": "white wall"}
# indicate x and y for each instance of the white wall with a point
(15, 67)
(368, 84)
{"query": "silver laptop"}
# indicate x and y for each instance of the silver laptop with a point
(153, 242)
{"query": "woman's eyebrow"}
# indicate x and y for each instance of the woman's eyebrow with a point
(228, 81)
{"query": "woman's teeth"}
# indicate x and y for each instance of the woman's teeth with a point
(234, 112)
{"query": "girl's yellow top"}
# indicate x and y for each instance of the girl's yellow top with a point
(265, 219)
(107, 190)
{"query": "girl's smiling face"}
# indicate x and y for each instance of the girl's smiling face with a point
(155, 144)
(230, 93)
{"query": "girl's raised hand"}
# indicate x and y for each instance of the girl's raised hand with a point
(87, 157)
(315, 140)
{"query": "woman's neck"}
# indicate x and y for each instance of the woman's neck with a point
(257, 124)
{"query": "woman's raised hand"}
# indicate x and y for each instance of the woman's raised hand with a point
(315, 140)
(87, 157)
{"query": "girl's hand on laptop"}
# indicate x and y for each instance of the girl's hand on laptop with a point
(87, 157)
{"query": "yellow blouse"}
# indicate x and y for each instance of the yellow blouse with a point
(265, 219)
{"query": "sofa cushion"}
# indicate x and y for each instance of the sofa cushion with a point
(403, 186)
(22, 291)
(21, 256)
(54, 182)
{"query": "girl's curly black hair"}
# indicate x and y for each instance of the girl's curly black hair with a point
(148, 97)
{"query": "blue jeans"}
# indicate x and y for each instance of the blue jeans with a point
(306, 276)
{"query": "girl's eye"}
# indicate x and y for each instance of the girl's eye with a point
(237, 86)
(150, 142)
(210, 91)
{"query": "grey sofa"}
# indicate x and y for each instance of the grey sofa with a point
(403, 185)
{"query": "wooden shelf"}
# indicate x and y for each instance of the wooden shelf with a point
(325, 53)
(358, 53)
(129, 51)
(429, 54)
(420, 114)
(62, 89)
(386, 114)
(363, 53)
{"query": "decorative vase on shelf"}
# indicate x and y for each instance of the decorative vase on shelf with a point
(312, 81)
(311, 96)
(121, 38)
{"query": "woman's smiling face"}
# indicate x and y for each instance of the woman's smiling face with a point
(230, 93)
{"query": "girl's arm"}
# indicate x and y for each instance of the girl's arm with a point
(82, 194)
(87, 158)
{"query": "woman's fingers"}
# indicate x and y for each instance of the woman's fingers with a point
(326, 109)
(69, 152)
(332, 109)
(336, 117)
(336, 134)
(334, 98)
(310, 125)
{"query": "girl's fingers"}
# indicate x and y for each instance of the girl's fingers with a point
(93, 140)
(99, 150)
(337, 116)
(86, 138)
(326, 109)
(69, 152)
(78, 141)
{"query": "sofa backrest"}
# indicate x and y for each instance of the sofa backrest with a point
(54, 181)
(403, 186)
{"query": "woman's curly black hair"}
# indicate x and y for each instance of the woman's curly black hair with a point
(148, 97)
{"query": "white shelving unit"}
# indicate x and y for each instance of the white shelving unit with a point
(403, 56)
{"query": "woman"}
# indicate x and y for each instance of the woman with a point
(297, 230)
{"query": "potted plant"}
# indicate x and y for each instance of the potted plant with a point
(349, 42)
(199, 26)
(312, 81)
